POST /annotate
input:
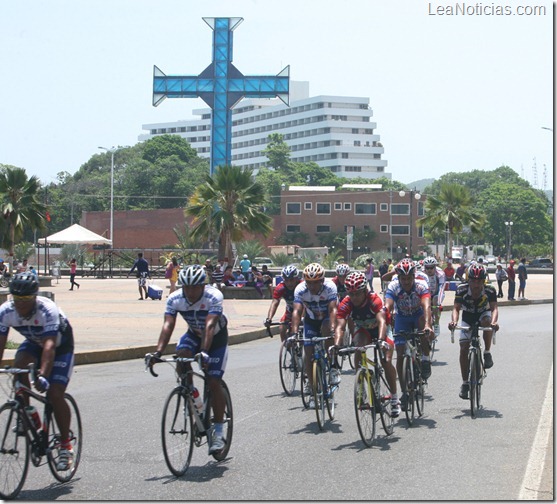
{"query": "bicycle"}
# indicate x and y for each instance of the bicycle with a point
(435, 317)
(412, 381)
(476, 369)
(183, 426)
(369, 396)
(21, 441)
(291, 360)
(347, 342)
(323, 391)
(4, 280)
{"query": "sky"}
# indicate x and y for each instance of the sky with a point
(450, 92)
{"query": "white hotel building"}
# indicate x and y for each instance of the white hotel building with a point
(333, 131)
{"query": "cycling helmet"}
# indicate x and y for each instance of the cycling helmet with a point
(343, 269)
(405, 267)
(314, 272)
(430, 261)
(192, 275)
(476, 271)
(24, 284)
(290, 271)
(356, 281)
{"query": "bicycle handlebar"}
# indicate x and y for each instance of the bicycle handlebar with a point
(480, 328)
(270, 324)
(151, 360)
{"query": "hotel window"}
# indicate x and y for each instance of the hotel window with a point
(348, 206)
(400, 230)
(383, 228)
(323, 229)
(365, 208)
(293, 208)
(291, 228)
(323, 208)
(307, 205)
(338, 206)
(400, 209)
(383, 207)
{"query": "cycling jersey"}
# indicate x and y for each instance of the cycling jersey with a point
(364, 316)
(475, 309)
(436, 284)
(195, 314)
(283, 292)
(46, 321)
(407, 303)
(316, 305)
(341, 288)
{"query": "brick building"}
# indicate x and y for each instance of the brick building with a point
(314, 211)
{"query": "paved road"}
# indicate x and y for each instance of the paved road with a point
(278, 452)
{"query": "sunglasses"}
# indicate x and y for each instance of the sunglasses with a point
(430, 267)
(23, 298)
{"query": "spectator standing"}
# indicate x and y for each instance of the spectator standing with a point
(73, 271)
(501, 276)
(370, 270)
(522, 277)
(245, 265)
(449, 271)
(141, 267)
(171, 273)
(459, 274)
(512, 282)
(267, 279)
(384, 268)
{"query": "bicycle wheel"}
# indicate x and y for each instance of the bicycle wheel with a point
(4, 282)
(287, 368)
(364, 407)
(420, 390)
(318, 396)
(228, 424)
(14, 453)
(409, 385)
(54, 439)
(304, 386)
(177, 432)
(386, 411)
(347, 341)
(474, 384)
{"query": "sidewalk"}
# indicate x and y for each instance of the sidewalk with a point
(110, 323)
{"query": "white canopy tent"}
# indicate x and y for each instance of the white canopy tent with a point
(75, 234)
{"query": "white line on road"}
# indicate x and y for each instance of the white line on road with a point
(530, 488)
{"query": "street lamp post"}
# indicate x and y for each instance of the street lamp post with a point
(391, 223)
(509, 225)
(112, 151)
(413, 194)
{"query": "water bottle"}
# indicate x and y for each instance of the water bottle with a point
(34, 416)
(197, 401)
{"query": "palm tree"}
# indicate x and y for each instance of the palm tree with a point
(19, 205)
(451, 209)
(229, 204)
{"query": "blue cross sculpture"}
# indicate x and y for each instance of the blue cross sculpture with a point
(221, 85)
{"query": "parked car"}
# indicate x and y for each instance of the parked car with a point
(490, 259)
(541, 263)
(262, 261)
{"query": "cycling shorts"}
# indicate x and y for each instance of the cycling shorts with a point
(217, 356)
(63, 362)
(287, 317)
(312, 329)
(464, 334)
(406, 323)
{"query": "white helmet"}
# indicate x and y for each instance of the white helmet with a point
(343, 269)
(192, 275)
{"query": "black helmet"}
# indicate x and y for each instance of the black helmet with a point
(24, 284)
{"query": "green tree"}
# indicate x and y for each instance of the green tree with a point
(228, 204)
(19, 205)
(278, 152)
(452, 209)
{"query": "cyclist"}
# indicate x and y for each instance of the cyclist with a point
(342, 271)
(284, 290)
(49, 343)
(478, 302)
(436, 280)
(201, 307)
(319, 298)
(410, 298)
(366, 310)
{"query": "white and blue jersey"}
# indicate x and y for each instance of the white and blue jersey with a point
(436, 283)
(407, 304)
(46, 321)
(316, 305)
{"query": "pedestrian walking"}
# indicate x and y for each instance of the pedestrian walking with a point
(141, 267)
(73, 270)
(171, 273)
(370, 271)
